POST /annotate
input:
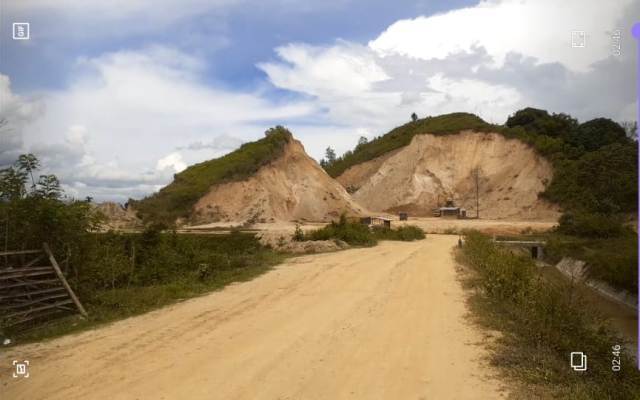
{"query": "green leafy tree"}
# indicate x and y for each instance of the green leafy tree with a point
(543, 123)
(597, 133)
(28, 163)
(49, 187)
(330, 155)
(12, 183)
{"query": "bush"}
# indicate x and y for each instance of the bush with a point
(405, 233)
(592, 225)
(357, 234)
(350, 232)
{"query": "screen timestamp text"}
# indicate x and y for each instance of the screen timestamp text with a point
(615, 361)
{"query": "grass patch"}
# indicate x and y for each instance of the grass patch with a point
(542, 322)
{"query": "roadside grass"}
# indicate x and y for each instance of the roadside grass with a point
(116, 282)
(541, 323)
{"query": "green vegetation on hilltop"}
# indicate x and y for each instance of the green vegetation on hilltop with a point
(177, 199)
(542, 322)
(402, 135)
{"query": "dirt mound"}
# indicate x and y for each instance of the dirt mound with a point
(433, 169)
(292, 187)
(118, 217)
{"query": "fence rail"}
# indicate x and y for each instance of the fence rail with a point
(33, 288)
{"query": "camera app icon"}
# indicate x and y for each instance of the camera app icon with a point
(20, 369)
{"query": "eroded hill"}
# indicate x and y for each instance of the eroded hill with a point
(292, 187)
(432, 169)
(271, 179)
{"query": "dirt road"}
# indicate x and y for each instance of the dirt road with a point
(387, 322)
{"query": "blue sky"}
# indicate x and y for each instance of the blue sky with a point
(233, 40)
(117, 95)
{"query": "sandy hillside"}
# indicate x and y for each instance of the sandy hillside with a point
(431, 169)
(293, 187)
(388, 322)
(118, 217)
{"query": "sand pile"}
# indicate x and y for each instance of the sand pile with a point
(293, 187)
(432, 169)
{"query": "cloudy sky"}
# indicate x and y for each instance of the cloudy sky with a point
(115, 96)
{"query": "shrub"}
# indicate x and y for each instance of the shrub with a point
(593, 225)
(350, 232)
(405, 233)
(298, 234)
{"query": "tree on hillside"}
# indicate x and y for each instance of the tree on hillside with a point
(330, 155)
(541, 122)
(362, 141)
(414, 117)
(597, 133)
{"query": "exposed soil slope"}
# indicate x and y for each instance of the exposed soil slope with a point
(388, 322)
(118, 217)
(292, 187)
(432, 169)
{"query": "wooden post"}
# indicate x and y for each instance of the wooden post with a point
(56, 267)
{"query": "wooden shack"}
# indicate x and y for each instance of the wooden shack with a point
(376, 221)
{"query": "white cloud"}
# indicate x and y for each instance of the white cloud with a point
(128, 111)
(15, 112)
(172, 161)
(536, 28)
(344, 70)
(490, 59)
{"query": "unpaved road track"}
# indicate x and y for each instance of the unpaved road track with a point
(388, 322)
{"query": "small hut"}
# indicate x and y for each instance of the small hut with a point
(403, 216)
(376, 221)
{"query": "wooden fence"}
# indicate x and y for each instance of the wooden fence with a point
(33, 288)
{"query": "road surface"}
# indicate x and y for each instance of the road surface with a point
(388, 322)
